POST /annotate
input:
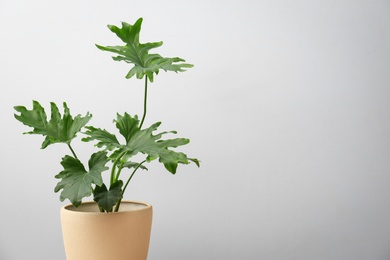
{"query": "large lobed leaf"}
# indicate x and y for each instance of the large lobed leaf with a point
(137, 53)
(76, 182)
(58, 129)
(142, 141)
(126, 125)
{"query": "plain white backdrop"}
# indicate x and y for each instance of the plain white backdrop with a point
(287, 107)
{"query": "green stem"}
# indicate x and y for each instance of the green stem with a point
(145, 99)
(127, 183)
(117, 205)
(131, 176)
(118, 172)
(71, 149)
(114, 177)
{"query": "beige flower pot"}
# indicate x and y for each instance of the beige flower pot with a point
(91, 235)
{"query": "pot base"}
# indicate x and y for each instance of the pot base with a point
(90, 234)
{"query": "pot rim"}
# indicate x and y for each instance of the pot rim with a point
(70, 211)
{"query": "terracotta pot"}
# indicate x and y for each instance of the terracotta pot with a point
(89, 234)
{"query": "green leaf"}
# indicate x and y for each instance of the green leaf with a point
(127, 125)
(138, 55)
(131, 165)
(76, 182)
(194, 160)
(107, 199)
(141, 141)
(170, 158)
(58, 129)
(104, 137)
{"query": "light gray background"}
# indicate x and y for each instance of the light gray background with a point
(287, 107)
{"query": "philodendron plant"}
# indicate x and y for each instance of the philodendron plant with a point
(76, 180)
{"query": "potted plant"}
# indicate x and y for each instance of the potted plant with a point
(109, 227)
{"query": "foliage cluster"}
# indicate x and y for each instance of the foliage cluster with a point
(78, 181)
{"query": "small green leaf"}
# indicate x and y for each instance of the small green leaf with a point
(127, 125)
(76, 182)
(137, 53)
(107, 199)
(134, 165)
(194, 160)
(57, 130)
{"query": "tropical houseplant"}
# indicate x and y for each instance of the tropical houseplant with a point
(78, 181)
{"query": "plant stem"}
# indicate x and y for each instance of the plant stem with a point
(71, 149)
(145, 99)
(131, 176)
(114, 177)
(117, 205)
(127, 183)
